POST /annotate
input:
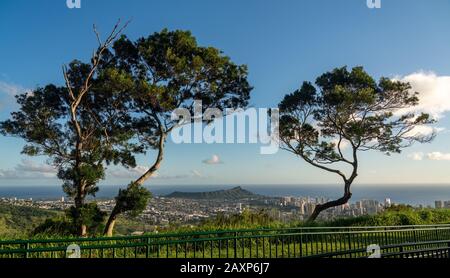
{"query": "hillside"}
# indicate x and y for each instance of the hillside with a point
(236, 193)
(18, 221)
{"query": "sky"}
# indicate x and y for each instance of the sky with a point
(283, 43)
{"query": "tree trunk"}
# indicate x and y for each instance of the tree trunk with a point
(321, 207)
(109, 228)
(79, 202)
(83, 230)
(347, 183)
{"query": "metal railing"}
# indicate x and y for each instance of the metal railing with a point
(329, 242)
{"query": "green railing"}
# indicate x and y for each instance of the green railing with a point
(340, 242)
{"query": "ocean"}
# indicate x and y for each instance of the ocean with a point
(406, 194)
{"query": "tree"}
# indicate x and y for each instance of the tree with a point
(170, 71)
(349, 108)
(79, 127)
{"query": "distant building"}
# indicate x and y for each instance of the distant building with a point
(439, 204)
(239, 207)
(371, 206)
(302, 205)
(359, 208)
(447, 204)
(387, 202)
(310, 207)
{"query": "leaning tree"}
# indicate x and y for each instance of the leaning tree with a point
(346, 113)
(170, 71)
(81, 127)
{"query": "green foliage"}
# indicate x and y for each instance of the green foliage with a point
(81, 127)
(24, 222)
(245, 219)
(18, 221)
(349, 108)
(261, 219)
(133, 199)
(169, 70)
(55, 227)
(89, 215)
(398, 217)
(119, 105)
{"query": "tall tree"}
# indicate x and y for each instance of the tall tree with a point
(171, 71)
(349, 108)
(80, 127)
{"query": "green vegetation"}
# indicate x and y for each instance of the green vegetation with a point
(19, 222)
(396, 216)
(248, 243)
(237, 235)
(25, 222)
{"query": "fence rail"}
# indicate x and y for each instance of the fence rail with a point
(328, 242)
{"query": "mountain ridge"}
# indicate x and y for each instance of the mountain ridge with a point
(235, 193)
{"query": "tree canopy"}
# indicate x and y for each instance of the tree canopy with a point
(119, 105)
(81, 127)
(349, 108)
(170, 71)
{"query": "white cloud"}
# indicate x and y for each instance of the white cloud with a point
(215, 159)
(7, 93)
(424, 130)
(192, 174)
(434, 93)
(197, 174)
(30, 166)
(438, 156)
(139, 169)
(344, 143)
(417, 156)
(136, 172)
(29, 170)
(130, 173)
(10, 89)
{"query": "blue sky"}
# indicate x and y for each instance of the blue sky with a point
(282, 42)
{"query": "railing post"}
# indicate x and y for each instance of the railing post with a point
(26, 247)
(147, 255)
(401, 252)
(301, 244)
(349, 243)
(385, 237)
(448, 249)
(235, 244)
